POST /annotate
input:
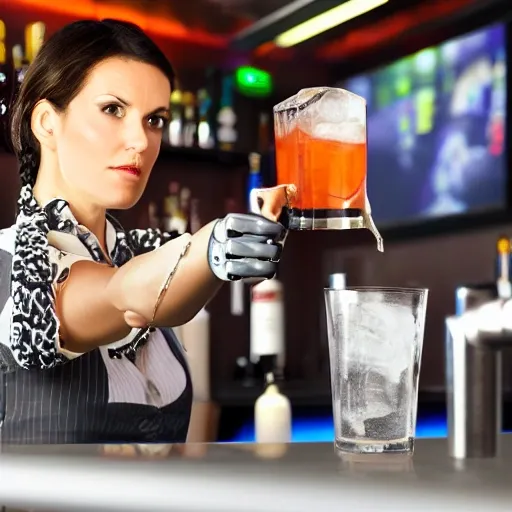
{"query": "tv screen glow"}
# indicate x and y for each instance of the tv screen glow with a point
(436, 130)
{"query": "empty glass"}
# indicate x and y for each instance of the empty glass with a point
(375, 344)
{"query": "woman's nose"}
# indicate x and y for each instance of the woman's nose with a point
(136, 138)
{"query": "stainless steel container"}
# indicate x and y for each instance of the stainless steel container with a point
(473, 382)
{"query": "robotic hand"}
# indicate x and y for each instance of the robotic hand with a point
(245, 245)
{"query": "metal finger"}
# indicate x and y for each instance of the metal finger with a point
(243, 248)
(239, 224)
(249, 267)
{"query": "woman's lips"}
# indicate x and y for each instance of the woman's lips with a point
(130, 169)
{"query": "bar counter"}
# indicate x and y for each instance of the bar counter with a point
(248, 477)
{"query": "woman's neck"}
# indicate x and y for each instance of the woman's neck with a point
(86, 213)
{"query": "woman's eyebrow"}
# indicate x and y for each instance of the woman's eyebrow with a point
(158, 110)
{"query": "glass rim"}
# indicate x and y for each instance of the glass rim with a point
(387, 289)
(283, 106)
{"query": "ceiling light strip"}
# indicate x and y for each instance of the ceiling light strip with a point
(327, 20)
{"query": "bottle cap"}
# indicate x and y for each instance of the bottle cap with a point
(337, 281)
(503, 245)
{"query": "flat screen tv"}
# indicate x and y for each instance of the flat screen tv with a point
(436, 130)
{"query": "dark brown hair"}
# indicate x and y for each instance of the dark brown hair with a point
(59, 71)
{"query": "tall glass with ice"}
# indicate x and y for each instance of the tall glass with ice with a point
(375, 344)
(320, 136)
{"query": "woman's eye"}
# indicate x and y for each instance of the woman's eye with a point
(157, 122)
(113, 110)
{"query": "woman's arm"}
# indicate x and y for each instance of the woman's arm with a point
(98, 305)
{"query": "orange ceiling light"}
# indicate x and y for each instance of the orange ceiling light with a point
(367, 38)
(264, 49)
(161, 26)
(364, 39)
(272, 51)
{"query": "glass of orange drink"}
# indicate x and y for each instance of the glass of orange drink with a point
(320, 139)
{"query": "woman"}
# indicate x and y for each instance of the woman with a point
(84, 350)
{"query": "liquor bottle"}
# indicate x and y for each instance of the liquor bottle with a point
(20, 64)
(176, 124)
(226, 117)
(204, 130)
(182, 215)
(272, 415)
(34, 38)
(190, 120)
(171, 206)
(254, 181)
(267, 327)
(503, 277)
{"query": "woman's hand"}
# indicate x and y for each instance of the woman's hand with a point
(270, 202)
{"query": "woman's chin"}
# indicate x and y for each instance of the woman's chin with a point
(122, 201)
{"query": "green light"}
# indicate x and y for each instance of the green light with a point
(253, 82)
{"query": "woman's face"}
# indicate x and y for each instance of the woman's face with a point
(109, 137)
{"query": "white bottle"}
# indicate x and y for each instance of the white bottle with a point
(195, 337)
(273, 415)
(267, 322)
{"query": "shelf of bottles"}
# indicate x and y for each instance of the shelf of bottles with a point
(206, 123)
(14, 63)
(179, 212)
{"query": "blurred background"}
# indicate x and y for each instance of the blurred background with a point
(435, 76)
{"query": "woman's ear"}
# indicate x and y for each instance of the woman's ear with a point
(43, 123)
